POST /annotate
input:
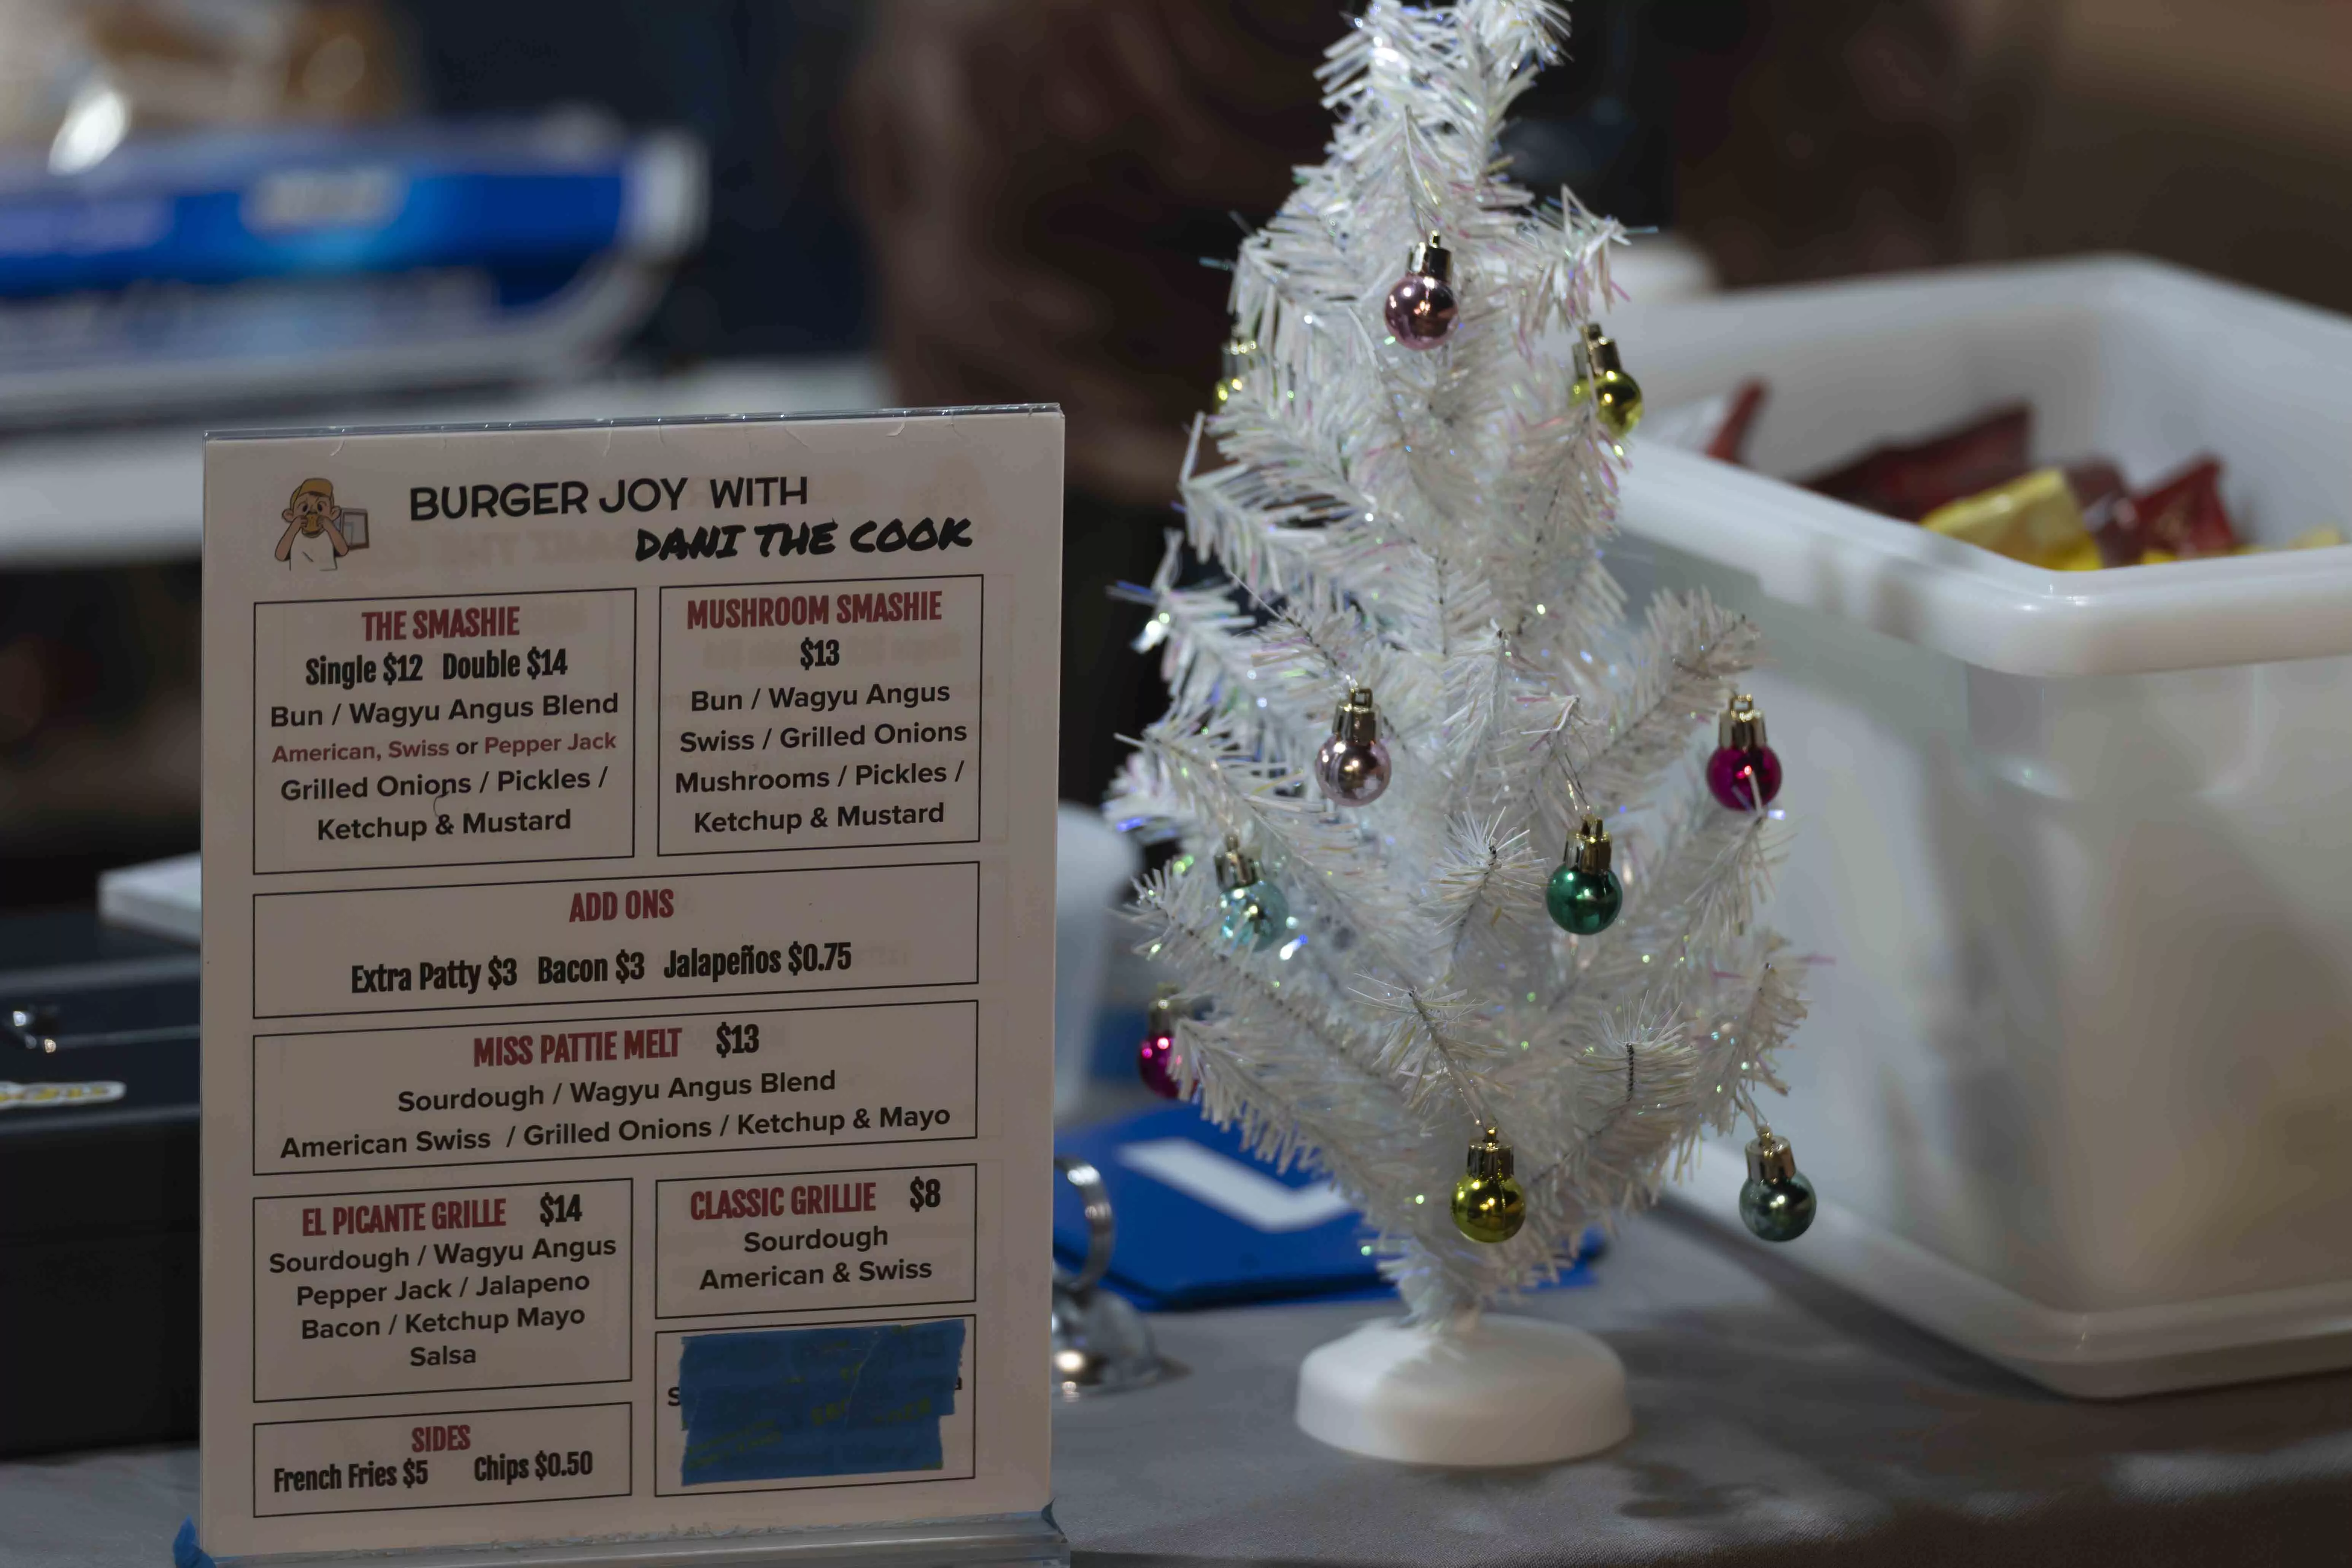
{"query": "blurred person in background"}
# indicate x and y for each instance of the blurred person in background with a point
(1049, 186)
(1043, 182)
(1045, 189)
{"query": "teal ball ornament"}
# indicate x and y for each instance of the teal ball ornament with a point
(1257, 914)
(1776, 1202)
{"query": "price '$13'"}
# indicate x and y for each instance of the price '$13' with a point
(820, 653)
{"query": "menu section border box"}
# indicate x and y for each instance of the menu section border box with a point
(610, 881)
(628, 765)
(827, 585)
(627, 1264)
(628, 1439)
(666, 1317)
(900, 1478)
(543, 1156)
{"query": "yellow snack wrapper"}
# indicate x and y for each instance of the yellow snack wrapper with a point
(2033, 519)
(2321, 538)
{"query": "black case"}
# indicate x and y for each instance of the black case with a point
(98, 1207)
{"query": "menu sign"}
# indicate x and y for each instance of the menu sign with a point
(628, 917)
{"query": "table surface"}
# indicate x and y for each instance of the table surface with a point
(1778, 1421)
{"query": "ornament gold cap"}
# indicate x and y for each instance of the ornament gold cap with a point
(1160, 1022)
(1490, 1158)
(1358, 722)
(1589, 850)
(1236, 867)
(1600, 351)
(1432, 259)
(1770, 1158)
(1741, 726)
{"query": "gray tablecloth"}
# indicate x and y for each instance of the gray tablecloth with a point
(1777, 1420)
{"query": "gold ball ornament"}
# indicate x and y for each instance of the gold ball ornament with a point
(1488, 1206)
(1241, 357)
(1600, 375)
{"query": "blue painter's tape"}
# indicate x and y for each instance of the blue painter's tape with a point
(775, 1404)
(186, 1553)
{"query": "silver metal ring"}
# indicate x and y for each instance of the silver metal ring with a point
(1100, 1229)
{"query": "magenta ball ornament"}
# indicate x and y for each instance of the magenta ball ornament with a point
(1155, 1059)
(1744, 774)
(1155, 1064)
(1743, 778)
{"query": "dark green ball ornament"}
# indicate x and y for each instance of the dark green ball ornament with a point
(1584, 895)
(1776, 1202)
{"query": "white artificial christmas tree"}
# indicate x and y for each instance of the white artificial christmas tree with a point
(1410, 505)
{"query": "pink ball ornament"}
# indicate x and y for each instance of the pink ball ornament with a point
(1420, 309)
(1353, 775)
(1352, 768)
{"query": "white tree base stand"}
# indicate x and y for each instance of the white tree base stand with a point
(1479, 1391)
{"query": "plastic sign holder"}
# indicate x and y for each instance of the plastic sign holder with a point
(628, 913)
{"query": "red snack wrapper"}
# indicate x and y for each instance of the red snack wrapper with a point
(1910, 482)
(2108, 510)
(1729, 442)
(2185, 515)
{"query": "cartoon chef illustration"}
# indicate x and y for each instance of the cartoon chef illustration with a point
(313, 537)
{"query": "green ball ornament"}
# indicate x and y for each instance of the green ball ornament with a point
(1776, 1202)
(1584, 895)
(1583, 904)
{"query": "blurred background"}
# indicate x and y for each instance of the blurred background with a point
(216, 213)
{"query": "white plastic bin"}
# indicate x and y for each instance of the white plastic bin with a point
(2075, 849)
